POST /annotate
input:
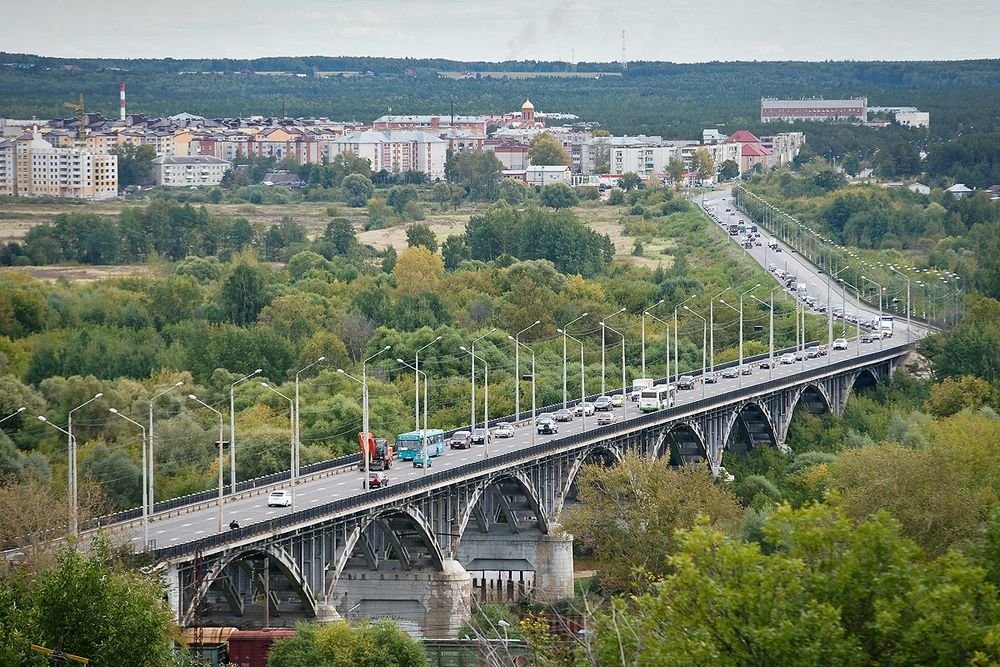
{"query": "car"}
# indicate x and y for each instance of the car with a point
(605, 418)
(772, 267)
(546, 425)
(730, 372)
(504, 430)
(746, 369)
(838, 312)
(867, 337)
(710, 378)
(823, 350)
(617, 400)
(279, 499)
(460, 440)
(478, 436)
(584, 409)
(812, 352)
(603, 403)
(776, 248)
(787, 358)
(800, 355)
(840, 344)
(767, 363)
(377, 480)
(820, 307)
(418, 461)
(563, 415)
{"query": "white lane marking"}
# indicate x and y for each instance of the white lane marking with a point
(185, 525)
(160, 532)
(174, 539)
(322, 488)
(199, 532)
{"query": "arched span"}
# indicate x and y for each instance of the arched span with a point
(523, 485)
(748, 426)
(814, 398)
(278, 556)
(408, 516)
(684, 444)
(602, 454)
(863, 380)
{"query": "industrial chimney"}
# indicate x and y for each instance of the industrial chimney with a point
(122, 113)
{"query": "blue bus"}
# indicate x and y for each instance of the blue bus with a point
(408, 444)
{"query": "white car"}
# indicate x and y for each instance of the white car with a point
(840, 344)
(606, 418)
(504, 430)
(280, 499)
(585, 409)
(788, 358)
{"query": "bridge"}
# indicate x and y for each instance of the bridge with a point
(482, 523)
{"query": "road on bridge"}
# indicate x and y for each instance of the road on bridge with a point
(168, 529)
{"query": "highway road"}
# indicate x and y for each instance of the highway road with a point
(168, 529)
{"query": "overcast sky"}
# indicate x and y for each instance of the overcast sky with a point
(674, 30)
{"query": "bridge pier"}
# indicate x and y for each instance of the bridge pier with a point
(554, 567)
(509, 567)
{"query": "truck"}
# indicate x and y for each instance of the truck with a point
(885, 326)
(638, 385)
(377, 450)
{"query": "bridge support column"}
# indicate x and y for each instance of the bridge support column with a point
(510, 567)
(175, 600)
(554, 566)
(434, 602)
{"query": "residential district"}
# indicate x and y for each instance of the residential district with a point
(76, 157)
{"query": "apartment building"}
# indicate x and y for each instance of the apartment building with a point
(843, 111)
(645, 156)
(31, 166)
(189, 171)
(396, 152)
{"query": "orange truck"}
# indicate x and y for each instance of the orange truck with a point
(378, 451)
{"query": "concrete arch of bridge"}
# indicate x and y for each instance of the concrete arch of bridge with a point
(814, 398)
(411, 517)
(684, 444)
(865, 379)
(523, 485)
(602, 454)
(752, 420)
(276, 555)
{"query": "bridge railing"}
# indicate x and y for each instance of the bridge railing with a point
(500, 461)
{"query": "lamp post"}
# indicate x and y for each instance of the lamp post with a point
(857, 308)
(881, 340)
(232, 430)
(291, 445)
(145, 479)
(221, 457)
(770, 337)
(666, 352)
(473, 352)
(908, 304)
(741, 328)
(677, 363)
(416, 383)
(152, 479)
(13, 414)
(73, 518)
(73, 478)
(603, 326)
(517, 369)
(704, 348)
(364, 415)
(829, 311)
(486, 398)
(296, 444)
(644, 313)
(565, 336)
(583, 392)
(423, 434)
(711, 328)
(519, 344)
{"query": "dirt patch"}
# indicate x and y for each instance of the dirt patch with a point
(442, 226)
(81, 274)
(606, 220)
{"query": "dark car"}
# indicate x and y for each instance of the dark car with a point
(710, 378)
(603, 403)
(563, 415)
(377, 480)
(685, 382)
(478, 436)
(730, 372)
(460, 440)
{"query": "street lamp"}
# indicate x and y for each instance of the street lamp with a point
(13, 414)
(423, 436)
(73, 518)
(517, 368)
(881, 340)
(770, 338)
(364, 416)
(666, 349)
(583, 392)
(857, 309)
(145, 480)
(677, 363)
(221, 457)
(297, 443)
(473, 352)
(518, 344)
(711, 328)
(486, 395)
(232, 430)
(644, 313)
(73, 477)
(704, 343)
(416, 384)
(907, 278)
(565, 336)
(151, 479)
(603, 326)
(291, 447)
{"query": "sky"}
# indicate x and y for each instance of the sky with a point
(569, 30)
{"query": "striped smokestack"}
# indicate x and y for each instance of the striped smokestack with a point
(122, 113)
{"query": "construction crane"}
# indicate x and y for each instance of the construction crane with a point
(79, 113)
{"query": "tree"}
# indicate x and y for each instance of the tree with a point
(416, 270)
(628, 181)
(401, 195)
(628, 514)
(441, 193)
(703, 163)
(728, 170)
(512, 190)
(952, 395)
(357, 190)
(135, 165)
(340, 232)
(546, 150)
(616, 197)
(676, 169)
(421, 234)
(478, 171)
(244, 294)
(341, 645)
(851, 164)
(345, 164)
(454, 250)
(558, 195)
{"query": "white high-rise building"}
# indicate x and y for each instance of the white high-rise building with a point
(31, 166)
(396, 151)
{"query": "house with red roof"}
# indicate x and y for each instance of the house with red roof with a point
(752, 152)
